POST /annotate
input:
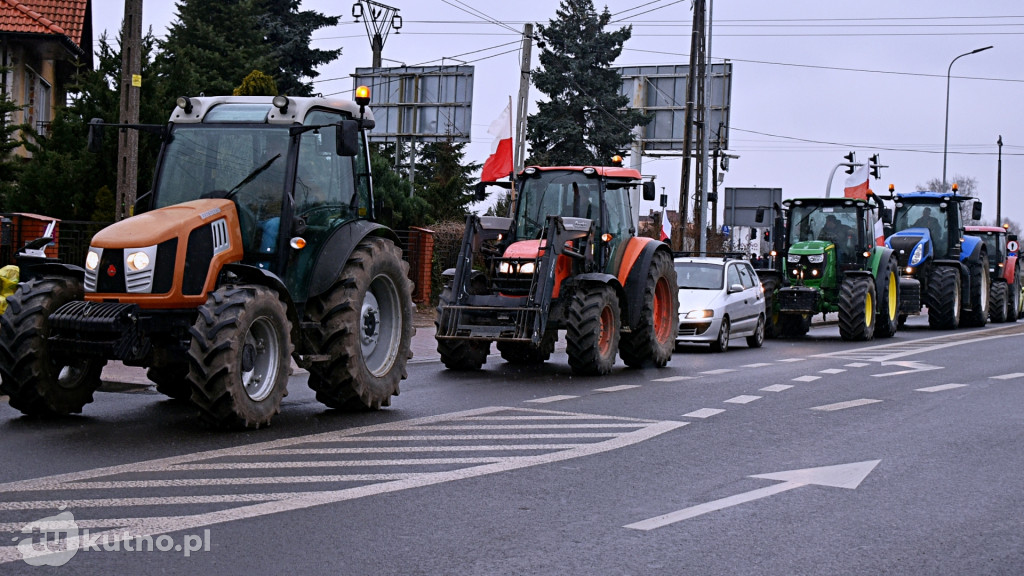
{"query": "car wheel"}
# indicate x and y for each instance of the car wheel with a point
(722, 344)
(756, 339)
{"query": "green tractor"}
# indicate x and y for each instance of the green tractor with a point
(834, 261)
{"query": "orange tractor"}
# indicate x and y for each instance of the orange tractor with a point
(255, 247)
(569, 259)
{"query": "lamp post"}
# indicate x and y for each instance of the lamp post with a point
(945, 143)
(999, 183)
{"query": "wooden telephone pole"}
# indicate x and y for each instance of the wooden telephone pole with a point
(131, 87)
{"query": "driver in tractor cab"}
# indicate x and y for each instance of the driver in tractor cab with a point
(930, 222)
(837, 233)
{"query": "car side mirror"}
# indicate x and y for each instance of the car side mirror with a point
(759, 215)
(649, 191)
(976, 210)
(94, 140)
(733, 288)
(347, 138)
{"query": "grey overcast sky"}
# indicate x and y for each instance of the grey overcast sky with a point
(812, 79)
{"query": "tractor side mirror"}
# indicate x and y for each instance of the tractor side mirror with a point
(886, 215)
(976, 210)
(347, 138)
(95, 138)
(759, 215)
(649, 191)
(480, 191)
(1011, 238)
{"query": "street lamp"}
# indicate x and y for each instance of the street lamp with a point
(945, 143)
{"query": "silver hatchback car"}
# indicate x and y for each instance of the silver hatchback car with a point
(719, 298)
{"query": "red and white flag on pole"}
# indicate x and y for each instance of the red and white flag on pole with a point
(857, 183)
(499, 163)
(879, 233)
(666, 226)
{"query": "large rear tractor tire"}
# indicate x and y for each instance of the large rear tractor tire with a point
(857, 308)
(980, 286)
(887, 321)
(997, 302)
(651, 343)
(944, 298)
(37, 384)
(239, 358)
(365, 328)
(526, 354)
(458, 355)
(773, 320)
(592, 336)
(171, 380)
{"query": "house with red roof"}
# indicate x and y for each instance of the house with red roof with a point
(42, 42)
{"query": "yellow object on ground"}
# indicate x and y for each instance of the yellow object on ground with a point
(8, 283)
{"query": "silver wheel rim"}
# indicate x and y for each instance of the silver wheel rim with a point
(259, 358)
(380, 328)
(70, 375)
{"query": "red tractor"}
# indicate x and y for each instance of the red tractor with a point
(1005, 294)
(569, 259)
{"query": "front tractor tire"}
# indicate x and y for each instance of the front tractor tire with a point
(593, 331)
(459, 355)
(944, 298)
(38, 384)
(857, 308)
(652, 342)
(365, 328)
(888, 319)
(997, 302)
(239, 358)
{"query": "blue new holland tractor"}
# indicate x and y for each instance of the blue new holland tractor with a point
(940, 266)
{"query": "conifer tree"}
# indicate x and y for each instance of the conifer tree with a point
(583, 120)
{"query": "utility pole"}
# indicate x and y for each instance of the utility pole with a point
(696, 46)
(522, 103)
(705, 134)
(999, 183)
(379, 19)
(131, 86)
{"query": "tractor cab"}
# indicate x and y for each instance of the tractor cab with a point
(926, 219)
(600, 195)
(823, 230)
(296, 169)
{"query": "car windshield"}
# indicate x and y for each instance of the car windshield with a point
(699, 275)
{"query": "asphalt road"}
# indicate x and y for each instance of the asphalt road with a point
(814, 456)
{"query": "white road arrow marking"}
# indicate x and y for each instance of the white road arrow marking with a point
(839, 476)
(913, 367)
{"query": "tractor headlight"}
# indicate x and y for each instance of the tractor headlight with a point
(92, 260)
(917, 255)
(697, 314)
(816, 258)
(138, 261)
(527, 268)
(793, 258)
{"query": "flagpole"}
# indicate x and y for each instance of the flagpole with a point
(512, 175)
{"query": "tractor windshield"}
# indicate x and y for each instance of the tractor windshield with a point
(995, 244)
(929, 215)
(568, 193)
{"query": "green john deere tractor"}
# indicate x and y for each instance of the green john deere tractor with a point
(835, 262)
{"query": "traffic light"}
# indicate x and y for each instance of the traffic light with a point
(767, 236)
(876, 170)
(850, 159)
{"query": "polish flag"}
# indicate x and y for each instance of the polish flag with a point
(879, 233)
(857, 183)
(499, 163)
(666, 226)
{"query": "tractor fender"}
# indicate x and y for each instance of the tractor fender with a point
(237, 273)
(1010, 269)
(971, 248)
(879, 259)
(31, 271)
(632, 274)
(336, 250)
(598, 278)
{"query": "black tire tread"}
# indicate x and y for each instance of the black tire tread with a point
(943, 287)
(584, 330)
(641, 348)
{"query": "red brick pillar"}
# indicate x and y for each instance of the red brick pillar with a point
(421, 258)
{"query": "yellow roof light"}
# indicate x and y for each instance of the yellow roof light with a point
(363, 95)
